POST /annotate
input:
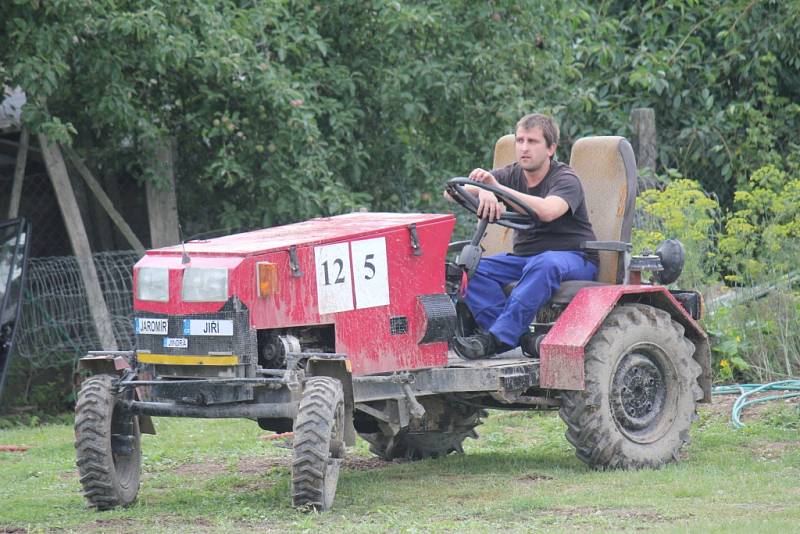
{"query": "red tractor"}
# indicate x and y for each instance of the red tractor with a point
(337, 327)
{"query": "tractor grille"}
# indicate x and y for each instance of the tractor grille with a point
(237, 352)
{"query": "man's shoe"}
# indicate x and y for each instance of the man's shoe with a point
(476, 346)
(530, 344)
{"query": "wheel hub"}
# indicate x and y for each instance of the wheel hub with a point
(638, 392)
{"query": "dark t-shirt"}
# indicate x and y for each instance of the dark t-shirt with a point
(565, 233)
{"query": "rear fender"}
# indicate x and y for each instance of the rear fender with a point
(562, 349)
(110, 364)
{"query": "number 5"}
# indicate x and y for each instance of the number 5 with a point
(369, 265)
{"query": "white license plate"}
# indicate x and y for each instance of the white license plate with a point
(176, 342)
(156, 327)
(207, 327)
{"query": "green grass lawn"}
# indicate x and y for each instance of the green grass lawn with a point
(520, 476)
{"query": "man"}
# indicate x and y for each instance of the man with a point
(543, 257)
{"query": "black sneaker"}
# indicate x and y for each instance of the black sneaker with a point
(476, 346)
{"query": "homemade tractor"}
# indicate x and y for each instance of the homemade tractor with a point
(338, 327)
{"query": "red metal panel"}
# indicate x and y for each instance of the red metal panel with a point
(562, 350)
(312, 232)
(176, 305)
(361, 333)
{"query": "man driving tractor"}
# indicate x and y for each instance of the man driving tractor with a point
(542, 257)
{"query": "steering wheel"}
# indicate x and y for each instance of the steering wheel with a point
(510, 219)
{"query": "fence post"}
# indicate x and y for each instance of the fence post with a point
(57, 169)
(162, 205)
(643, 123)
(103, 200)
(19, 174)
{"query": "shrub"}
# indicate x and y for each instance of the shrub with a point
(682, 210)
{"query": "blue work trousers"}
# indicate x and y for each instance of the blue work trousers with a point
(539, 277)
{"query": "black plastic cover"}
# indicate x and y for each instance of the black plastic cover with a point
(691, 301)
(14, 247)
(441, 314)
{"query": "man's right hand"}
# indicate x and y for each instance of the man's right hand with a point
(488, 206)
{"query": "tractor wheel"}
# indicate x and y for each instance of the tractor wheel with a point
(640, 394)
(107, 445)
(318, 444)
(441, 431)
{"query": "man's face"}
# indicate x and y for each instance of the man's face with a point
(532, 150)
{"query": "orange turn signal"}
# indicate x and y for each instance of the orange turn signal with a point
(267, 279)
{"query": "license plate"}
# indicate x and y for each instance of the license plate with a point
(176, 342)
(156, 327)
(207, 327)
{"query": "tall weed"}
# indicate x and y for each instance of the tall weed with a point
(747, 260)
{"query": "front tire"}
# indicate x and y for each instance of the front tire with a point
(318, 444)
(107, 446)
(640, 392)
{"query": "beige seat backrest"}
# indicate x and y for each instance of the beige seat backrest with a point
(606, 167)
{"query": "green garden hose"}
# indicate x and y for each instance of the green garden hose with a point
(791, 388)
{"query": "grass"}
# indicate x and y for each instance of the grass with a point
(520, 476)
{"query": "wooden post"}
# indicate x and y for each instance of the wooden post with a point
(103, 199)
(19, 173)
(57, 170)
(643, 121)
(162, 205)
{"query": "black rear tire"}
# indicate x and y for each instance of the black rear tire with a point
(107, 446)
(318, 444)
(441, 431)
(640, 393)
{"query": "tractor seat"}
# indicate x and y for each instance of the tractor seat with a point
(566, 291)
(606, 167)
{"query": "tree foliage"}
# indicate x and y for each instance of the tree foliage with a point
(285, 109)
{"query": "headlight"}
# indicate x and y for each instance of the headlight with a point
(200, 285)
(153, 284)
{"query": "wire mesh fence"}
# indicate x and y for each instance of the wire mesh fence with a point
(56, 326)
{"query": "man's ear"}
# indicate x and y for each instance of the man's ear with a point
(551, 150)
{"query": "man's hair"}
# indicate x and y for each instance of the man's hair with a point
(545, 122)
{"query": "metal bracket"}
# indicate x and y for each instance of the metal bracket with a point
(296, 272)
(412, 229)
(416, 409)
(404, 380)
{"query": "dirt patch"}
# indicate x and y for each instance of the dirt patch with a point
(366, 463)
(201, 470)
(530, 478)
(254, 465)
(619, 513)
(722, 406)
(111, 525)
(773, 451)
(128, 525)
(14, 530)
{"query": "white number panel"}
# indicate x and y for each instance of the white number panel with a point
(370, 273)
(334, 284)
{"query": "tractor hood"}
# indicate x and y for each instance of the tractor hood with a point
(312, 232)
(200, 276)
